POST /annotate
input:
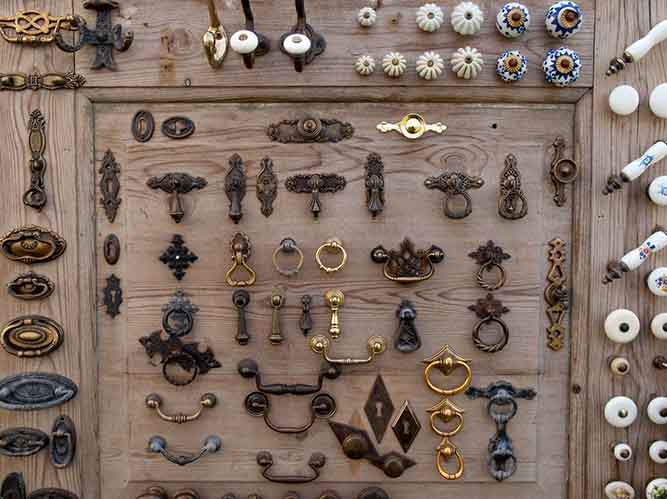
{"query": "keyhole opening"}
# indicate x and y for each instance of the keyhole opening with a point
(379, 406)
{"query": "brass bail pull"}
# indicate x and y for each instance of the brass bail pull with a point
(445, 451)
(241, 251)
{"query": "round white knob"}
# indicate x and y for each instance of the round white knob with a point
(244, 42)
(296, 44)
(654, 485)
(657, 191)
(659, 326)
(657, 282)
(621, 326)
(657, 410)
(624, 100)
(658, 101)
(658, 452)
(619, 490)
(622, 452)
(620, 412)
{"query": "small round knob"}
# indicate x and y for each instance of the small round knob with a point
(244, 42)
(619, 366)
(393, 466)
(659, 326)
(624, 100)
(657, 191)
(622, 326)
(658, 452)
(297, 44)
(620, 412)
(622, 452)
(658, 101)
(619, 490)
(657, 410)
(355, 446)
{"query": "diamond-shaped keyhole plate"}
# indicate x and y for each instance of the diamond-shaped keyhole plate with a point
(379, 408)
(406, 426)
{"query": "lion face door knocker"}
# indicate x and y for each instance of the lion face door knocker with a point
(455, 185)
(406, 264)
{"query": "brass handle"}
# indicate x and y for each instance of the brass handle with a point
(320, 344)
(447, 412)
(215, 38)
(207, 401)
(334, 299)
(315, 463)
(446, 361)
(445, 451)
(322, 406)
(158, 445)
(412, 126)
(241, 251)
(331, 246)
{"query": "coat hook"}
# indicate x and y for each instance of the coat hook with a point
(215, 38)
(302, 43)
(248, 42)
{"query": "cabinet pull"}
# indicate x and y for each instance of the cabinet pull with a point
(207, 401)
(302, 43)
(215, 38)
(248, 368)
(315, 463)
(320, 344)
(158, 445)
(323, 406)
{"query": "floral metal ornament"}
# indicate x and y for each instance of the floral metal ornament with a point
(512, 203)
(455, 185)
(374, 184)
(110, 185)
(315, 184)
(490, 257)
(35, 196)
(36, 27)
(489, 310)
(37, 81)
(235, 187)
(556, 295)
(310, 130)
(408, 264)
(178, 257)
(267, 186)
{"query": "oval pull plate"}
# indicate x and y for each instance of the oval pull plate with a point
(112, 249)
(21, 442)
(63, 441)
(33, 391)
(31, 336)
(31, 286)
(143, 126)
(32, 244)
(178, 127)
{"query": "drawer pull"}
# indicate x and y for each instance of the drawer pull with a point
(334, 300)
(315, 463)
(320, 344)
(277, 301)
(407, 264)
(412, 126)
(315, 185)
(241, 251)
(455, 185)
(176, 184)
(620, 412)
(512, 204)
(35, 196)
(32, 244)
(322, 406)
(157, 492)
(63, 442)
(235, 187)
(215, 38)
(334, 246)
(241, 299)
(248, 42)
(288, 247)
(374, 184)
(158, 445)
(248, 368)
(489, 310)
(207, 401)
(446, 361)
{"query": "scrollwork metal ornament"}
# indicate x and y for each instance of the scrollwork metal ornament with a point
(502, 407)
(34, 391)
(178, 257)
(314, 185)
(490, 257)
(374, 184)
(302, 43)
(407, 340)
(32, 27)
(556, 295)
(37, 81)
(63, 442)
(110, 185)
(489, 310)
(407, 264)
(32, 244)
(310, 130)
(267, 186)
(31, 336)
(176, 184)
(235, 187)
(31, 286)
(455, 185)
(113, 296)
(512, 203)
(22, 442)
(35, 196)
(315, 463)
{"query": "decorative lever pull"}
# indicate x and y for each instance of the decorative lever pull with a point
(315, 463)
(37, 81)
(235, 187)
(277, 301)
(314, 185)
(412, 126)
(407, 264)
(248, 368)
(158, 445)
(176, 184)
(322, 406)
(334, 299)
(241, 299)
(215, 38)
(248, 42)
(33, 27)
(632, 260)
(563, 171)
(654, 154)
(639, 49)
(241, 251)
(320, 344)
(302, 43)
(35, 196)
(207, 401)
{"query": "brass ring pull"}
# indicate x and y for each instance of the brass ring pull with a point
(445, 451)
(446, 412)
(447, 361)
(320, 344)
(158, 445)
(315, 463)
(288, 246)
(331, 246)
(241, 251)
(207, 401)
(322, 406)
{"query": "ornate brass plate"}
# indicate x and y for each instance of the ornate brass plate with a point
(113, 296)
(235, 187)
(32, 244)
(556, 295)
(109, 185)
(35, 27)
(406, 426)
(455, 185)
(31, 286)
(178, 127)
(35, 196)
(379, 408)
(19, 442)
(267, 187)
(143, 126)
(310, 129)
(412, 126)
(111, 249)
(31, 336)
(63, 441)
(32, 391)
(36, 81)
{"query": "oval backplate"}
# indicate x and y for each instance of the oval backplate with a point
(31, 336)
(33, 391)
(178, 127)
(32, 244)
(111, 249)
(31, 286)
(19, 442)
(143, 126)
(52, 493)
(13, 487)
(63, 441)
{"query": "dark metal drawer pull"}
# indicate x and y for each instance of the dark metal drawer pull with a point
(248, 368)
(158, 445)
(323, 406)
(315, 463)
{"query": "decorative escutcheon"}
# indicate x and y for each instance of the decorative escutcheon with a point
(248, 42)
(235, 187)
(31, 286)
(241, 299)
(412, 126)
(302, 43)
(374, 184)
(320, 344)
(38, 81)
(176, 184)
(241, 251)
(556, 294)
(31, 336)
(408, 339)
(490, 258)
(178, 257)
(63, 442)
(446, 361)
(315, 463)
(512, 203)
(178, 127)
(35, 196)
(143, 126)
(563, 171)
(13, 487)
(113, 296)
(288, 246)
(455, 185)
(310, 130)
(215, 38)
(406, 264)
(248, 368)
(32, 244)
(21, 442)
(322, 406)
(110, 185)
(334, 299)
(158, 445)
(314, 185)
(489, 310)
(335, 246)
(111, 249)
(154, 401)
(266, 186)
(277, 301)
(34, 391)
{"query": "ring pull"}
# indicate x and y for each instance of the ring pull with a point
(248, 368)
(207, 401)
(455, 185)
(334, 299)
(248, 42)
(288, 246)
(315, 463)
(512, 203)
(563, 171)
(446, 361)
(215, 38)
(445, 451)
(446, 412)
(332, 245)
(490, 257)
(302, 43)
(158, 445)
(320, 344)
(489, 311)
(241, 251)
(322, 406)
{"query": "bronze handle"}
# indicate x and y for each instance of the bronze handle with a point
(176, 184)
(241, 251)
(235, 187)
(408, 264)
(241, 299)
(158, 445)
(248, 368)
(207, 401)
(323, 406)
(277, 301)
(320, 344)
(315, 463)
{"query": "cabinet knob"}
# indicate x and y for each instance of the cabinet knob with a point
(620, 412)
(622, 326)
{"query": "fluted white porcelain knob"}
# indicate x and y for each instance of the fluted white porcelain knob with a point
(657, 191)
(624, 100)
(620, 412)
(658, 452)
(297, 44)
(244, 42)
(657, 410)
(655, 485)
(658, 101)
(657, 281)
(619, 490)
(622, 452)
(659, 326)
(622, 326)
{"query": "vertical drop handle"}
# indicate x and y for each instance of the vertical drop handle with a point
(241, 299)
(277, 302)
(657, 152)
(640, 48)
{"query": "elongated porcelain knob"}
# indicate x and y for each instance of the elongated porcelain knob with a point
(622, 452)
(619, 490)
(658, 452)
(633, 259)
(622, 326)
(634, 169)
(640, 48)
(620, 412)
(659, 326)
(657, 410)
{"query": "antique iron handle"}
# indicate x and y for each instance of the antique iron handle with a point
(215, 38)
(334, 299)
(248, 42)
(320, 344)
(563, 171)
(176, 184)
(512, 203)
(489, 311)
(241, 251)
(207, 401)
(302, 43)
(412, 126)
(241, 299)
(455, 185)
(277, 301)
(248, 368)
(322, 406)
(158, 445)
(306, 320)
(314, 185)
(446, 361)
(315, 463)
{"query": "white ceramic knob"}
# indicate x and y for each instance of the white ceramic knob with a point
(640, 48)
(622, 452)
(622, 326)
(657, 283)
(658, 452)
(654, 486)
(658, 101)
(624, 100)
(620, 412)
(366, 17)
(297, 44)
(244, 42)
(619, 490)
(653, 154)
(657, 410)
(619, 366)
(657, 191)
(633, 259)
(659, 326)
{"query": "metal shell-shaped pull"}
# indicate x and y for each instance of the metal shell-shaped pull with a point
(32, 244)
(320, 344)
(241, 251)
(215, 38)
(207, 401)
(446, 360)
(158, 445)
(412, 126)
(31, 336)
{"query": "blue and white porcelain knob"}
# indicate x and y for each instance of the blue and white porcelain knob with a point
(511, 66)
(563, 19)
(562, 67)
(513, 19)
(657, 281)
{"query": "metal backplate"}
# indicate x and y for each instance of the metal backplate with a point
(32, 244)
(143, 126)
(63, 441)
(178, 127)
(379, 408)
(19, 442)
(110, 185)
(113, 296)
(406, 426)
(310, 130)
(52, 493)
(32, 391)
(31, 336)
(31, 286)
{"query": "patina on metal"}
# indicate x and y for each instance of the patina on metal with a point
(266, 186)
(306, 319)
(35, 196)
(375, 345)
(111, 249)
(407, 339)
(241, 299)
(315, 184)
(357, 445)
(502, 407)
(34, 27)
(33, 391)
(315, 463)
(52, 493)
(512, 203)
(263, 43)
(13, 487)
(406, 264)
(215, 38)
(178, 315)
(37, 81)
(489, 310)
(301, 30)
(154, 401)
(158, 445)
(310, 130)
(322, 406)
(32, 244)
(241, 251)
(374, 184)
(379, 408)
(277, 301)
(447, 361)
(113, 296)
(110, 185)
(63, 442)
(176, 184)
(235, 187)
(31, 286)
(143, 126)
(178, 257)
(21, 442)
(563, 171)
(288, 246)
(248, 368)
(490, 259)
(31, 336)
(556, 294)
(178, 127)
(455, 185)
(412, 126)
(406, 426)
